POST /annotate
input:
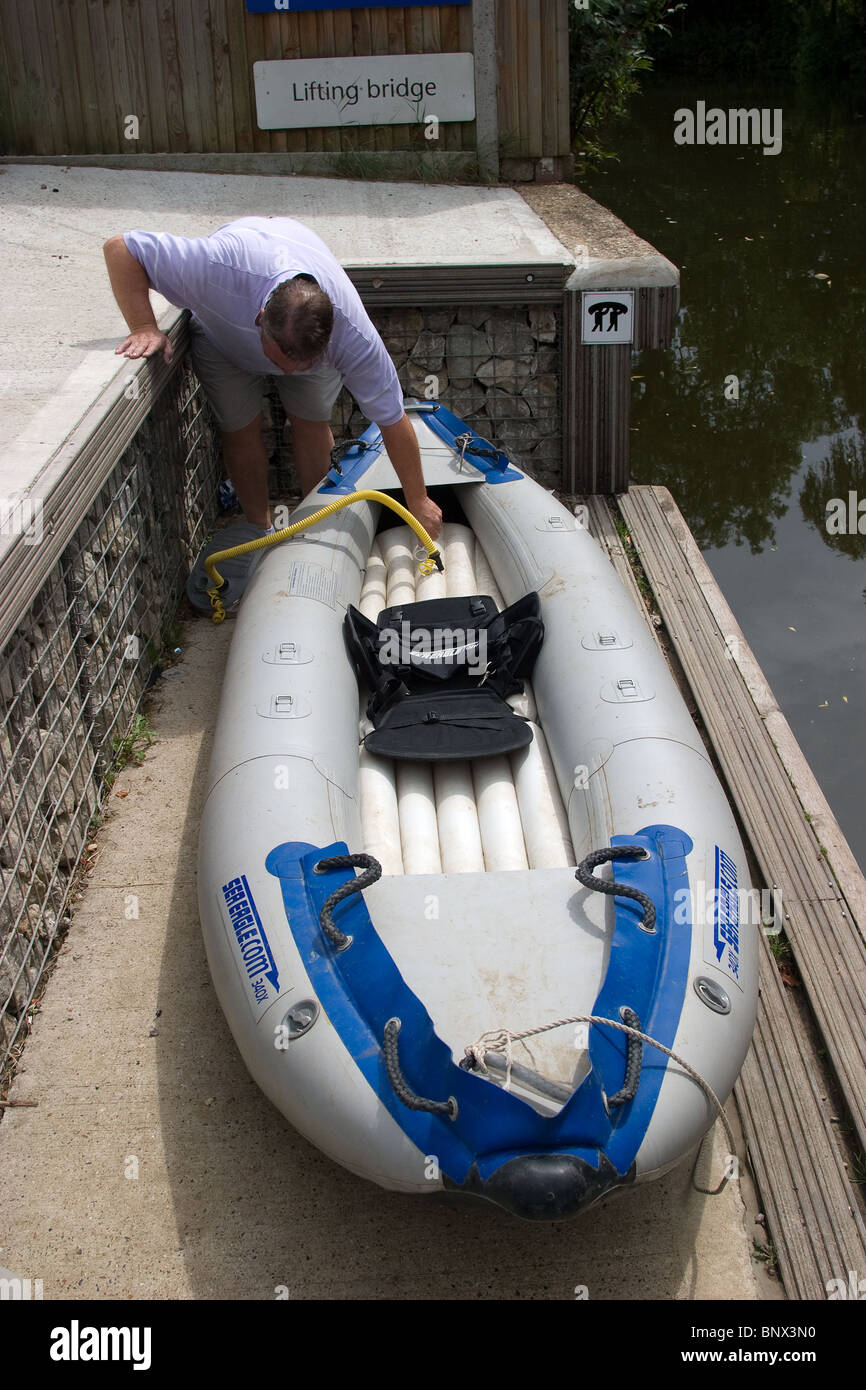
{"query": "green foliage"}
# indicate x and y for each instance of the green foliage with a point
(131, 748)
(811, 40)
(607, 50)
(831, 40)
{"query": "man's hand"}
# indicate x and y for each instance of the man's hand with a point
(403, 451)
(132, 291)
(424, 509)
(145, 342)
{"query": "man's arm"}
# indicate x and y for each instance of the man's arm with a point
(403, 451)
(132, 291)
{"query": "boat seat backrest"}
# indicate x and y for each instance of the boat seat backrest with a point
(440, 672)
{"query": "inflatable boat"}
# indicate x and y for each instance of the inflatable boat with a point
(470, 889)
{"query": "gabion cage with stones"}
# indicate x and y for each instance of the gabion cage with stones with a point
(73, 674)
(496, 368)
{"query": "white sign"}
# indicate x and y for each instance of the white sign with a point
(397, 90)
(608, 316)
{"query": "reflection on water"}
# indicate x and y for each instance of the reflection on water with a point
(755, 417)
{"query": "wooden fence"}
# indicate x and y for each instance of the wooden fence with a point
(72, 71)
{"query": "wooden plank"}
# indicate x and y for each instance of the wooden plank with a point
(431, 42)
(51, 69)
(201, 31)
(450, 137)
(520, 63)
(794, 1153)
(309, 40)
(223, 88)
(381, 136)
(177, 133)
(243, 96)
(151, 40)
(121, 78)
(21, 137)
(826, 828)
(255, 32)
(344, 45)
(793, 1149)
(819, 917)
(7, 119)
(34, 107)
(405, 36)
(81, 54)
(138, 59)
(597, 394)
(562, 130)
(71, 94)
(331, 137)
(536, 75)
(603, 527)
(187, 49)
(274, 52)
(465, 44)
(509, 96)
(296, 140)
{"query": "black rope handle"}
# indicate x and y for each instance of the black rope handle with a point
(372, 870)
(344, 446)
(633, 1060)
(399, 1084)
(613, 889)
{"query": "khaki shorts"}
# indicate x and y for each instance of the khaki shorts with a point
(236, 395)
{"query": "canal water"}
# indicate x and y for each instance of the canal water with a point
(753, 418)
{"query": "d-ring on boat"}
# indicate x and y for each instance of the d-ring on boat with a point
(502, 752)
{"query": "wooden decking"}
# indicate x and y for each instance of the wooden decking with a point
(792, 1103)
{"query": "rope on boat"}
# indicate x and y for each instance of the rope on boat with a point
(399, 1084)
(502, 1040)
(633, 1060)
(584, 874)
(342, 447)
(372, 870)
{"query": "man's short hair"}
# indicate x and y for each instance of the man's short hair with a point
(299, 317)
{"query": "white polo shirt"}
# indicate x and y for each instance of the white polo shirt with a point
(225, 279)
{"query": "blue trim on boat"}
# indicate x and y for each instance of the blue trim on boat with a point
(361, 988)
(648, 973)
(448, 426)
(353, 464)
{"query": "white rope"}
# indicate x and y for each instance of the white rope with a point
(502, 1040)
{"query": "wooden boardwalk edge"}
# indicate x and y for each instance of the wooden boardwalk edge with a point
(794, 1152)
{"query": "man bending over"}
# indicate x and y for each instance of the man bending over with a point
(268, 299)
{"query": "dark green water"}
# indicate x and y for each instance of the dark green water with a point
(750, 233)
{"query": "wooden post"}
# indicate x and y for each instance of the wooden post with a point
(610, 258)
(486, 96)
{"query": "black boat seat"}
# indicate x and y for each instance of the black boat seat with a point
(440, 673)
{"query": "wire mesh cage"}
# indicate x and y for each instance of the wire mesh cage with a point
(73, 674)
(497, 368)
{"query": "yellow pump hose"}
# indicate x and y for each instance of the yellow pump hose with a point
(433, 561)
